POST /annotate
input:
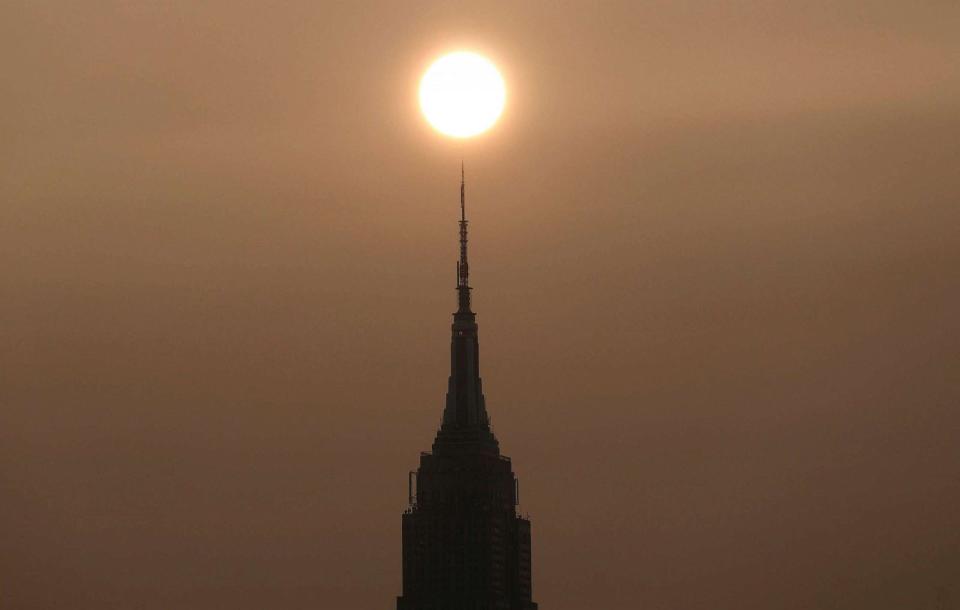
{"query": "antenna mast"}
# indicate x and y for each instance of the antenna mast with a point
(463, 269)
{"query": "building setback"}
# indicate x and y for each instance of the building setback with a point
(464, 545)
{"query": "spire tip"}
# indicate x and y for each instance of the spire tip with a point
(463, 206)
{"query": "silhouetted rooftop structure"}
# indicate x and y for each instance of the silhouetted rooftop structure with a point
(464, 545)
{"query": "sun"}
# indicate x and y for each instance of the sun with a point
(462, 94)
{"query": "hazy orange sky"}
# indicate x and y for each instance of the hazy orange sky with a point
(714, 248)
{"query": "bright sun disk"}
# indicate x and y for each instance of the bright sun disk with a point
(462, 94)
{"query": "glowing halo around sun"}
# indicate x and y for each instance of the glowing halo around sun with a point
(462, 94)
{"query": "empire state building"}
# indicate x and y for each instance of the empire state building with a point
(465, 547)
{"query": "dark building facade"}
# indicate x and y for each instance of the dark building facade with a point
(465, 547)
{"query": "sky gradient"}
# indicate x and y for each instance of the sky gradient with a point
(714, 251)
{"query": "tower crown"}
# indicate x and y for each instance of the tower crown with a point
(465, 420)
(464, 543)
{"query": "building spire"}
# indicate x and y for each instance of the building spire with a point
(463, 269)
(465, 417)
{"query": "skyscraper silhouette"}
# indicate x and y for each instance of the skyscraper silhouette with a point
(464, 545)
